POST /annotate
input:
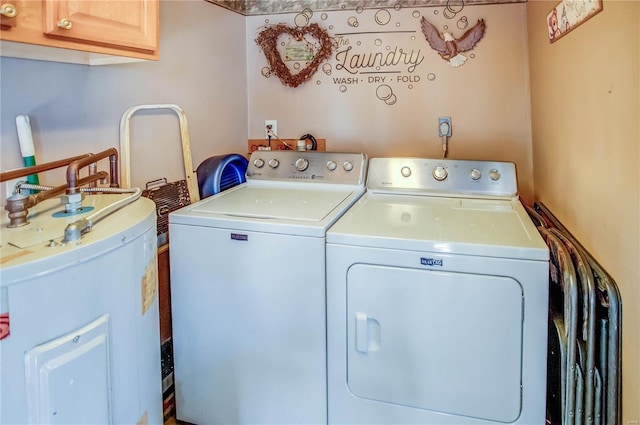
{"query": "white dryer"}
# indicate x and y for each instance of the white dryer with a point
(437, 294)
(248, 290)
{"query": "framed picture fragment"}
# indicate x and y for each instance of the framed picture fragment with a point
(568, 15)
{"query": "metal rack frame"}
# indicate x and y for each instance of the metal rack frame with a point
(591, 356)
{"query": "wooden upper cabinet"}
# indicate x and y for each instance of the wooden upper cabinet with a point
(93, 32)
(125, 23)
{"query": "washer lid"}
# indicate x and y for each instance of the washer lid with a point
(275, 203)
(298, 209)
(483, 227)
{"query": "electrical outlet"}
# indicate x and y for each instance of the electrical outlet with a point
(444, 126)
(274, 127)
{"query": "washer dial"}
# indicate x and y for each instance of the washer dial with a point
(273, 163)
(348, 166)
(302, 164)
(405, 171)
(475, 174)
(494, 175)
(259, 163)
(331, 165)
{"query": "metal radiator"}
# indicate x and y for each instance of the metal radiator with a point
(168, 198)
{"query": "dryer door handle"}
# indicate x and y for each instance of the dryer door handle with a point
(362, 335)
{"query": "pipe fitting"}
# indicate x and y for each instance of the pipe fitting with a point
(72, 202)
(74, 231)
(73, 171)
(17, 206)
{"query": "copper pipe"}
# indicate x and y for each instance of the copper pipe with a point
(73, 171)
(100, 175)
(92, 170)
(48, 194)
(23, 172)
(113, 169)
(17, 205)
(59, 190)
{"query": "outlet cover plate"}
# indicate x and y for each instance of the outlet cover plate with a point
(442, 120)
(273, 124)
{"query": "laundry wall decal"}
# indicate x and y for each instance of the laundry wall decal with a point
(447, 46)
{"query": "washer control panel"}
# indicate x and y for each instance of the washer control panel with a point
(443, 177)
(314, 167)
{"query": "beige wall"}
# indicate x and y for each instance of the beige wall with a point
(76, 109)
(585, 96)
(487, 97)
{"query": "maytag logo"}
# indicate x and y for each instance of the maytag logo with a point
(431, 261)
(239, 237)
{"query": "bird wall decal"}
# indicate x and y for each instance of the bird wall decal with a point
(447, 46)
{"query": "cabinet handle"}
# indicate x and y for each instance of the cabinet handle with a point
(65, 23)
(8, 10)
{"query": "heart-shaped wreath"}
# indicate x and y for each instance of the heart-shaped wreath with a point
(268, 40)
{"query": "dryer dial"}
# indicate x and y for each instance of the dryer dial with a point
(331, 165)
(440, 173)
(259, 163)
(348, 166)
(274, 163)
(494, 175)
(405, 171)
(475, 174)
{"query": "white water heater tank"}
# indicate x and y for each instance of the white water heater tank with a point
(79, 328)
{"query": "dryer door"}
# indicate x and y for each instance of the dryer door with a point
(441, 341)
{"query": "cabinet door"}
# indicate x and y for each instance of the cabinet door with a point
(127, 23)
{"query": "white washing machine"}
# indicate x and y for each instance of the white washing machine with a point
(248, 290)
(437, 293)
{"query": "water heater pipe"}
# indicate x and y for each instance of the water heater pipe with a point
(73, 172)
(22, 172)
(75, 230)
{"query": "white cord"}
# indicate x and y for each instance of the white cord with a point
(271, 133)
(444, 146)
(75, 230)
(444, 130)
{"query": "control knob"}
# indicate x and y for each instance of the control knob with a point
(405, 171)
(331, 165)
(302, 164)
(440, 173)
(273, 163)
(475, 174)
(348, 166)
(494, 174)
(259, 163)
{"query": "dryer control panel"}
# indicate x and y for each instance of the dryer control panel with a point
(443, 177)
(312, 167)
